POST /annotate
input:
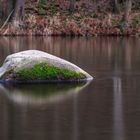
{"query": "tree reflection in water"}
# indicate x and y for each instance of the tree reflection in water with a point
(107, 109)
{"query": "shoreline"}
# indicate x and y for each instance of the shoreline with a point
(106, 33)
(74, 25)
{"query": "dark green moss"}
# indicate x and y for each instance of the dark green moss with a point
(53, 8)
(135, 21)
(41, 7)
(43, 71)
(41, 11)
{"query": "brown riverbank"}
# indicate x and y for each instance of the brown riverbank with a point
(57, 21)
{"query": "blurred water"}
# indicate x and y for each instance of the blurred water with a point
(108, 108)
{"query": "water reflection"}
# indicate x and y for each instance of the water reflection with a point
(101, 52)
(106, 109)
(118, 110)
(30, 113)
(37, 94)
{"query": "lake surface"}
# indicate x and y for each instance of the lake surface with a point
(108, 108)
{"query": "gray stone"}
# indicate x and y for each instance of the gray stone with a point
(27, 59)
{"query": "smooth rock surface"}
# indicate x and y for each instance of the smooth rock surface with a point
(27, 59)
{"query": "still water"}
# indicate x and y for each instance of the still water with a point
(108, 108)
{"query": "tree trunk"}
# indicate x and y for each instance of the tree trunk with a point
(71, 7)
(18, 14)
(6, 9)
(127, 10)
(116, 6)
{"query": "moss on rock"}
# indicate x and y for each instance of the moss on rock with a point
(43, 71)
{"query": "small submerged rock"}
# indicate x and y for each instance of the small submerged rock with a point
(37, 66)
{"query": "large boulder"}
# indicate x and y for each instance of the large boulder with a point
(38, 66)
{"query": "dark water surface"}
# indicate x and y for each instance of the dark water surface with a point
(108, 108)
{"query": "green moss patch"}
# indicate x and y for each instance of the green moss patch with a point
(42, 7)
(135, 21)
(43, 71)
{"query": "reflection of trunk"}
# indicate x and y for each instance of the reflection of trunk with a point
(18, 11)
(127, 10)
(118, 110)
(71, 7)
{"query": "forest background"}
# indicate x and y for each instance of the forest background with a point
(70, 17)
